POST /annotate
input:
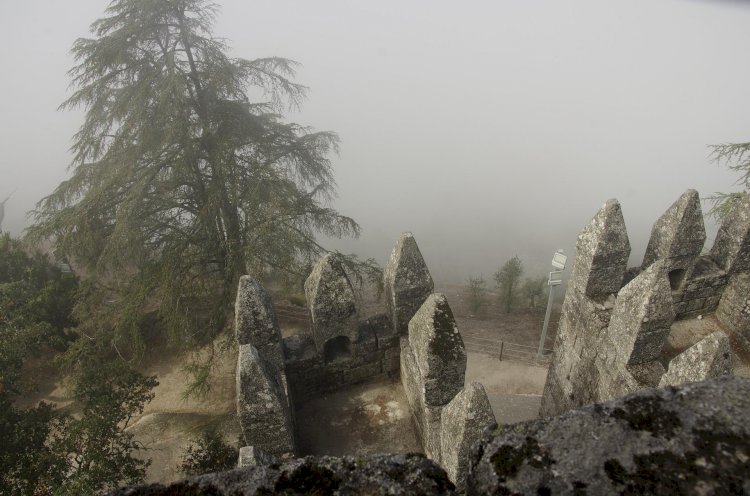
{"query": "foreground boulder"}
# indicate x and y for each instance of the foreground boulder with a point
(372, 475)
(691, 439)
(694, 439)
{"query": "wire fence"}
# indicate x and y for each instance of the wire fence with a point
(506, 350)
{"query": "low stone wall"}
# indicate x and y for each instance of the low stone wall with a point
(691, 439)
(701, 291)
(376, 356)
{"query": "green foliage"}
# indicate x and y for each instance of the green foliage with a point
(34, 294)
(43, 450)
(736, 156)
(208, 453)
(507, 278)
(534, 289)
(476, 295)
(46, 451)
(96, 447)
(180, 183)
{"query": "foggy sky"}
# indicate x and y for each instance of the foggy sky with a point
(487, 128)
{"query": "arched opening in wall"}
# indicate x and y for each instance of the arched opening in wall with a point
(676, 278)
(337, 349)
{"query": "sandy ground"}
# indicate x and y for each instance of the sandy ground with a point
(513, 388)
(360, 420)
(169, 423)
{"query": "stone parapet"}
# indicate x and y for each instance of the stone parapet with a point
(406, 282)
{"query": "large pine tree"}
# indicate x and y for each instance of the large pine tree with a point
(180, 183)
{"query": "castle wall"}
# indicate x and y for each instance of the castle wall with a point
(450, 416)
(612, 333)
(376, 357)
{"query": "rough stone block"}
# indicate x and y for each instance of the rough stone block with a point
(299, 351)
(367, 339)
(379, 324)
(731, 249)
(362, 373)
(734, 308)
(602, 252)
(438, 350)
(255, 321)
(391, 364)
(407, 282)
(262, 406)
(647, 374)
(388, 340)
(463, 421)
(693, 439)
(642, 317)
(371, 475)
(679, 234)
(708, 358)
(250, 456)
(332, 302)
(392, 352)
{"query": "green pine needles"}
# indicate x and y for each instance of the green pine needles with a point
(179, 182)
(736, 156)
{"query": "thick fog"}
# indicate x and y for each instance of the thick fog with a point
(488, 129)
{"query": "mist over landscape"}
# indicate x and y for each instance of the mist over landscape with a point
(206, 261)
(488, 129)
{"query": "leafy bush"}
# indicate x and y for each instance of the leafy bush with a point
(208, 453)
(43, 450)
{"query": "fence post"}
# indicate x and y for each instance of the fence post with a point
(502, 344)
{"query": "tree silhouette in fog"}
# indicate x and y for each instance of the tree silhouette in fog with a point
(185, 174)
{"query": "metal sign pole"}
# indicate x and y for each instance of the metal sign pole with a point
(546, 318)
(558, 262)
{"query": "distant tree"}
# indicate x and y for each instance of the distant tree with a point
(180, 182)
(534, 289)
(736, 156)
(208, 453)
(507, 278)
(476, 295)
(2, 210)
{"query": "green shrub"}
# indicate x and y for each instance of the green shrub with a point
(208, 453)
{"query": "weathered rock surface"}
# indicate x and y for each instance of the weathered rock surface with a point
(642, 317)
(250, 456)
(679, 234)
(694, 439)
(731, 249)
(602, 252)
(332, 302)
(426, 417)
(366, 475)
(463, 421)
(438, 349)
(255, 321)
(708, 358)
(734, 306)
(407, 282)
(262, 406)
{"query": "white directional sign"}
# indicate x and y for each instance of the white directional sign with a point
(558, 260)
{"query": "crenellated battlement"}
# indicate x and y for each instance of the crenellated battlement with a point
(416, 341)
(623, 329)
